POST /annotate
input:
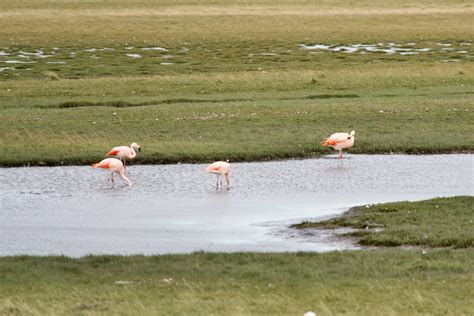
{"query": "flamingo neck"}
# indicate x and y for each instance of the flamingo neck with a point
(133, 152)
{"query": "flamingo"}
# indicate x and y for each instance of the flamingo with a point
(220, 168)
(114, 165)
(122, 152)
(339, 141)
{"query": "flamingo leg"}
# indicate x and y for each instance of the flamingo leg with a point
(340, 154)
(112, 177)
(221, 182)
(122, 174)
(217, 183)
(227, 179)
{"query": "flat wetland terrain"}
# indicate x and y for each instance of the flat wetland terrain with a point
(195, 81)
(253, 80)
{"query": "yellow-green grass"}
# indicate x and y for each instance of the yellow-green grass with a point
(442, 222)
(385, 282)
(67, 23)
(236, 130)
(267, 106)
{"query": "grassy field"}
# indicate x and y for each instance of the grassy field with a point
(197, 81)
(442, 222)
(387, 281)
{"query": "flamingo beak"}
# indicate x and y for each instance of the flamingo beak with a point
(139, 149)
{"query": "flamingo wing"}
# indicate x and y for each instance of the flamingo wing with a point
(113, 152)
(335, 139)
(214, 167)
(120, 150)
(104, 164)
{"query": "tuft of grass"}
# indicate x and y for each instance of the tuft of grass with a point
(441, 222)
(52, 75)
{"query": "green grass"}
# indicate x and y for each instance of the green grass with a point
(366, 282)
(243, 125)
(355, 283)
(225, 96)
(442, 222)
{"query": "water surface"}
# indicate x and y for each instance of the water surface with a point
(176, 208)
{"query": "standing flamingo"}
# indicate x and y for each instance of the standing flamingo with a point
(339, 141)
(114, 165)
(122, 152)
(220, 168)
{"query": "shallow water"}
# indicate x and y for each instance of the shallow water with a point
(176, 209)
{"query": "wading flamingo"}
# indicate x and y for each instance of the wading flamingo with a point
(339, 141)
(122, 152)
(220, 168)
(113, 165)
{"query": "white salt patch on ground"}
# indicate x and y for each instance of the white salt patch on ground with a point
(168, 56)
(408, 53)
(17, 62)
(317, 46)
(98, 49)
(465, 44)
(161, 49)
(129, 47)
(389, 48)
(443, 44)
(134, 55)
(166, 64)
(263, 54)
(2, 69)
(3, 53)
(56, 62)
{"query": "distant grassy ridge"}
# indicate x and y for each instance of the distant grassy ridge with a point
(178, 22)
(442, 222)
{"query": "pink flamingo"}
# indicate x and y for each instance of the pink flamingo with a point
(114, 165)
(339, 141)
(220, 168)
(122, 152)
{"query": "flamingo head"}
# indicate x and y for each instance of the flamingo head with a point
(136, 146)
(353, 133)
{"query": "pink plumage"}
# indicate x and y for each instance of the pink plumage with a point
(339, 141)
(220, 168)
(114, 166)
(122, 152)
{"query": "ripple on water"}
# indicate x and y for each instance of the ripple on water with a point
(175, 208)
